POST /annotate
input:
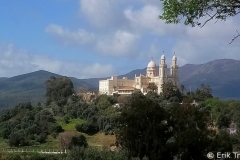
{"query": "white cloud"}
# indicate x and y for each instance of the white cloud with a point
(200, 45)
(146, 20)
(192, 45)
(98, 70)
(15, 61)
(119, 26)
(122, 43)
(102, 13)
(153, 52)
(67, 37)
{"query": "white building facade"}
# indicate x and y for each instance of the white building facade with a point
(153, 75)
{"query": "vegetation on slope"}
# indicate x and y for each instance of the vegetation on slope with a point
(162, 126)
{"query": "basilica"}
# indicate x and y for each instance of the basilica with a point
(155, 75)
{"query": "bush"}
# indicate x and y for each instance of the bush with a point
(79, 141)
(41, 138)
(86, 128)
(54, 135)
(56, 128)
(66, 119)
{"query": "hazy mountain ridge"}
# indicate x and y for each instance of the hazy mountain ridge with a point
(222, 75)
(29, 87)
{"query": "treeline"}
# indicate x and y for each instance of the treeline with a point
(173, 125)
(27, 125)
(98, 114)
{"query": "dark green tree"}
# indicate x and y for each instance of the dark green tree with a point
(170, 91)
(152, 87)
(89, 128)
(221, 142)
(79, 141)
(191, 135)
(58, 90)
(203, 93)
(66, 119)
(143, 129)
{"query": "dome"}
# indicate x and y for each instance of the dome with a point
(174, 58)
(151, 64)
(163, 57)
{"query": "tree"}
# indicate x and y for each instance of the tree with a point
(79, 141)
(191, 135)
(58, 90)
(143, 130)
(169, 91)
(192, 11)
(183, 88)
(152, 87)
(103, 102)
(203, 93)
(86, 128)
(66, 119)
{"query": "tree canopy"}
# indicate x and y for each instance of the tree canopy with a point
(143, 130)
(191, 11)
(58, 89)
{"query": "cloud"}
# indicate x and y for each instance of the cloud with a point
(14, 61)
(98, 70)
(200, 45)
(130, 29)
(122, 43)
(146, 20)
(67, 37)
(192, 45)
(102, 13)
(119, 43)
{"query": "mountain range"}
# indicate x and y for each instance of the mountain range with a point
(221, 75)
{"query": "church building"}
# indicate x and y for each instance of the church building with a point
(141, 82)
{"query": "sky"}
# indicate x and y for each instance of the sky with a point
(99, 38)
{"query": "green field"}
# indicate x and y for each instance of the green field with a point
(71, 125)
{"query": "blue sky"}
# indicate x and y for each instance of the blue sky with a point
(98, 38)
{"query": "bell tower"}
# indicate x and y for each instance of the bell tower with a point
(174, 70)
(162, 72)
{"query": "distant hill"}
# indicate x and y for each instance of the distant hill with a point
(222, 75)
(29, 87)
